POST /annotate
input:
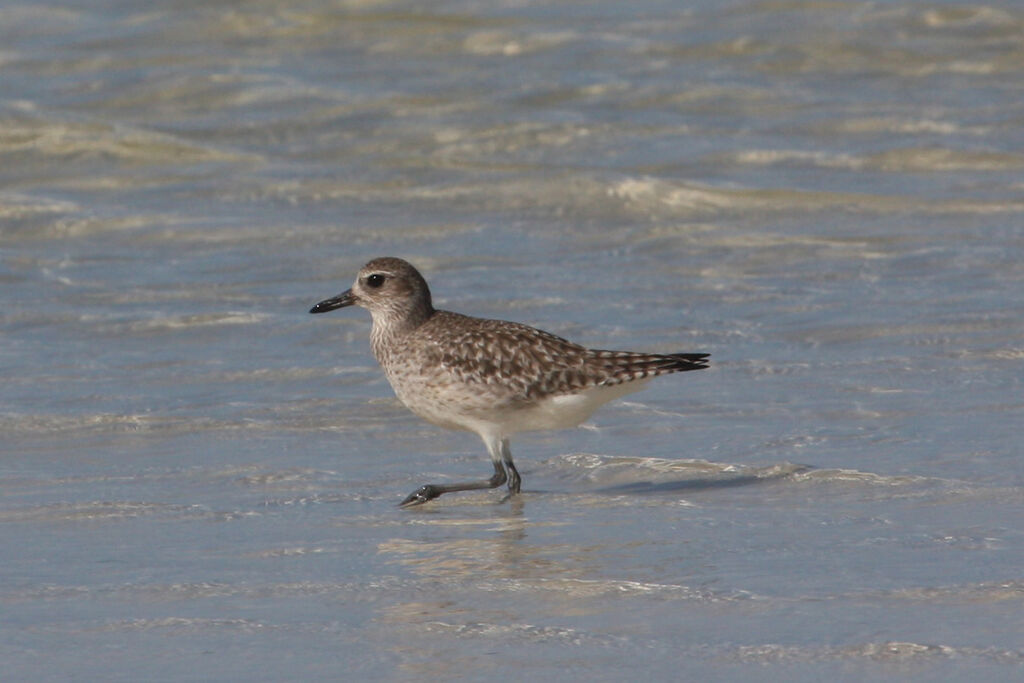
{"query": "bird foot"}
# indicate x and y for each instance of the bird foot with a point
(421, 495)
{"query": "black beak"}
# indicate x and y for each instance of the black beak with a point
(346, 298)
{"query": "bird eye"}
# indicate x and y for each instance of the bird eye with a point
(375, 280)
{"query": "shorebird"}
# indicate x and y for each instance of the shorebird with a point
(490, 377)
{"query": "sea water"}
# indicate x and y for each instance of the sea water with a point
(198, 480)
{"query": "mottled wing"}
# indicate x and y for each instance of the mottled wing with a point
(518, 361)
(525, 363)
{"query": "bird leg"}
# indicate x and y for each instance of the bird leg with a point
(514, 480)
(504, 470)
(432, 491)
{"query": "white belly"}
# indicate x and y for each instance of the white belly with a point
(476, 409)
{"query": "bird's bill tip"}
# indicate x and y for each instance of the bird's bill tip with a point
(346, 298)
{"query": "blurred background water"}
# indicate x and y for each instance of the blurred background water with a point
(198, 479)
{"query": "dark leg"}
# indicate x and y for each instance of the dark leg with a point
(514, 480)
(432, 491)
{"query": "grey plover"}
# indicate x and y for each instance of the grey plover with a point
(490, 377)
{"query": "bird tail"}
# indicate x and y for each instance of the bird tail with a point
(682, 362)
(624, 366)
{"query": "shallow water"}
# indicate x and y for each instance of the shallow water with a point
(199, 479)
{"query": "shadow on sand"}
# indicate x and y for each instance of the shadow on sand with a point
(698, 484)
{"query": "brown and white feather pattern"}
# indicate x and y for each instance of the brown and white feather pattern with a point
(508, 363)
(490, 377)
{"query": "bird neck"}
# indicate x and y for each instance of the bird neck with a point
(390, 328)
